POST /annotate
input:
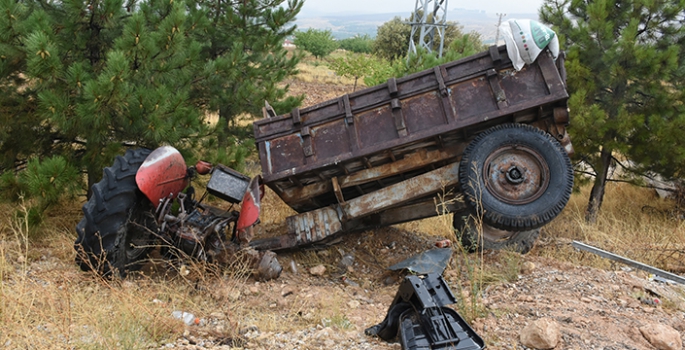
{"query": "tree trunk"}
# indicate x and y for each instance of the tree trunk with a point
(597, 193)
(355, 84)
(92, 179)
(222, 128)
(93, 169)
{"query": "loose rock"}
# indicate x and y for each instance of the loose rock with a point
(282, 302)
(353, 304)
(254, 290)
(662, 337)
(318, 270)
(527, 267)
(543, 333)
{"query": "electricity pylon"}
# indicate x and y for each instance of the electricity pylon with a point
(428, 20)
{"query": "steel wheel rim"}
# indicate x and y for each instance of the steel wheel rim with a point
(516, 174)
(137, 240)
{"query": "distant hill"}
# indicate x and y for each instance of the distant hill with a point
(345, 25)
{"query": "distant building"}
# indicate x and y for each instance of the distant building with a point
(288, 43)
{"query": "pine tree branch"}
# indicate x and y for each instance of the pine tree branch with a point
(642, 174)
(646, 27)
(585, 173)
(18, 165)
(625, 167)
(584, 160)
(638, 184)
(631, 182)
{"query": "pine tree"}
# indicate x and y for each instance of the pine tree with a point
(245, 62)
(98, 76)
(22, 131)
(81, 80)
(624, 64)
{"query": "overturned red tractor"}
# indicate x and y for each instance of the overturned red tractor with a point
(144, 202)
(476, 137)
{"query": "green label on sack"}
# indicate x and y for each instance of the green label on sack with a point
(542, 35)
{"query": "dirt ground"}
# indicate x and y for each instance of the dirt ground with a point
(597, 309)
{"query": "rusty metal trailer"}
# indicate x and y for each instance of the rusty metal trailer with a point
(471, 135)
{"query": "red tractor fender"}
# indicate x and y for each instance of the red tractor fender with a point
(163, 174)
(250, 208)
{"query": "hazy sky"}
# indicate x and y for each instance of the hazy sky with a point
(387, 6)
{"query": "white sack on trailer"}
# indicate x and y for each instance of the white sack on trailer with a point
(525, 39)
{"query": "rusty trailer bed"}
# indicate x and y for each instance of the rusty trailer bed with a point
(324, 157)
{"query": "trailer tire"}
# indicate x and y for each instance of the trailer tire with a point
(516, 177)
(491, 238)
(118, 228)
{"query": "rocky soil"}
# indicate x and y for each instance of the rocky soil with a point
(543, 303)
(552, 303)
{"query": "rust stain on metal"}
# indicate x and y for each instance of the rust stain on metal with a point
(516, 174)
(314, 225)
(407, 190)
(412, 161)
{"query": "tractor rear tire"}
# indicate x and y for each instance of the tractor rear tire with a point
(118, 229)
(472, 239)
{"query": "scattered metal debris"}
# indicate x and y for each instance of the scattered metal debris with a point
(633, 263)
(428, 262)
(418, 316)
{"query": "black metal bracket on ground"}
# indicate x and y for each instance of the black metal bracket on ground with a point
(418, 316)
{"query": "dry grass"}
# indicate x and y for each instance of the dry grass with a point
(320, 73)
(313, 70)
(46, 302)
(633, 222)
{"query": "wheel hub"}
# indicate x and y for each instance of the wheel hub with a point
(516, 174)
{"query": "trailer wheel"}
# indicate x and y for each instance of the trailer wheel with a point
(491, 238)
(517, 177)
(118, 229)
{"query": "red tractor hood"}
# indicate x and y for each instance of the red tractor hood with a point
(162, 175)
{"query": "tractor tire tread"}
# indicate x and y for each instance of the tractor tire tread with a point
(106, 214)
